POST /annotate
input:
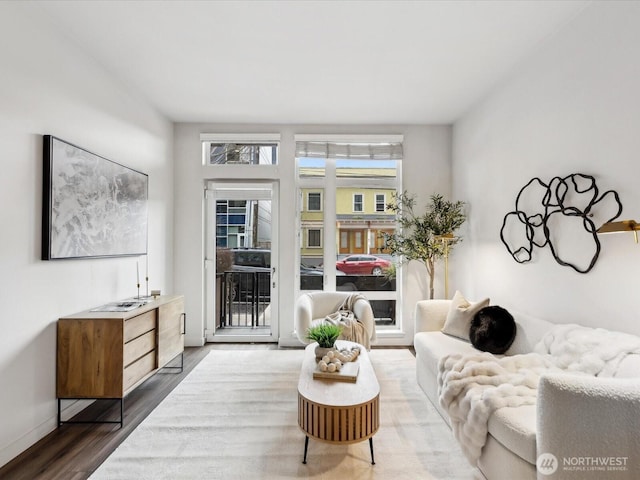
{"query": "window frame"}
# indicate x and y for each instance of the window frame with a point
(384, 202)
(320, 209)
(353, 202)
(242, 171)
(308, 237)
(329, 182)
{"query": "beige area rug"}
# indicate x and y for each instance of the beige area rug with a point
(235, 417)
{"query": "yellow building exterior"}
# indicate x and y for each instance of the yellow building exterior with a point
(361, 217)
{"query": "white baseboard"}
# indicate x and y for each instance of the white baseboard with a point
(290, 342)
(15, 448)
(193, 341)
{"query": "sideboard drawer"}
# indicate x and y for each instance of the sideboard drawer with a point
(139, 347)
(139, 369)
(136, 326)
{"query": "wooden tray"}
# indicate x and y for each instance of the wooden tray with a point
(348, 373)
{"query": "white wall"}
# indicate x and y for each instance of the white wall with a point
(572, 107)
(49, 86)
(425, 170)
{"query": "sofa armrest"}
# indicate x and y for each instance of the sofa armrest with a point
(580, 418)
(431, 314)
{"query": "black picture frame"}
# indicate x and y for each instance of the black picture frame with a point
(91, 207)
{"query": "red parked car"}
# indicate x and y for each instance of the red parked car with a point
(362, 264)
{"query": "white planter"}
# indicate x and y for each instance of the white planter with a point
(322, 351)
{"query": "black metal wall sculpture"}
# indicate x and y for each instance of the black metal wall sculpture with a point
(564, 199)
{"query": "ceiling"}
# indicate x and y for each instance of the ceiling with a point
(310, 62)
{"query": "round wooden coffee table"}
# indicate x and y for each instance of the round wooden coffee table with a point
(335, 411)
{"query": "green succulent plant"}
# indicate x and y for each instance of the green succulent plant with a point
(325, 334)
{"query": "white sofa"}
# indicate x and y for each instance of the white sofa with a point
(576, 418)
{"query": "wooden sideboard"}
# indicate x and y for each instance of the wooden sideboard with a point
(105, 355)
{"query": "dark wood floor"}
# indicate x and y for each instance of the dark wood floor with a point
(73, 452)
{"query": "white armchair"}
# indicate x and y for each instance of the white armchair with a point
(312, 308)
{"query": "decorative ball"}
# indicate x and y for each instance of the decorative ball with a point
(331, 354)
(322, 365)
(331, 367)
(326, 359)
(347, 355)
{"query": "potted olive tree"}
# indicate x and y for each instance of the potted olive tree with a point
(425, 237)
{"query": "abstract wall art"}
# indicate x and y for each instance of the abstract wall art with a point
(564, 215)
(92, 207)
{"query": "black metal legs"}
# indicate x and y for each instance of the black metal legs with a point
(371, 448)
(121, 421)
(306, 447)
(180, 367)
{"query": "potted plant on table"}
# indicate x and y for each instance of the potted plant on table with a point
(325, 334)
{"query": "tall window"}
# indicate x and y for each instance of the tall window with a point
(314, 201)
(358, 202)
(344, 186)
(314, 238)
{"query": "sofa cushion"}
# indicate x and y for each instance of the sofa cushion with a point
(515, 428)
(461, 312)
(529, 331)
(432, 346)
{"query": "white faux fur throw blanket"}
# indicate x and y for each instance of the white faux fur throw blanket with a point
(595, 351)
(472, 387)
(352, 329)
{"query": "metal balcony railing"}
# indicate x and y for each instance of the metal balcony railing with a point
(244, 297)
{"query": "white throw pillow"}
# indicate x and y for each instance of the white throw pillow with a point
(460, 314)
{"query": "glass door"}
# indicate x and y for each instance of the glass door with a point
(241, 262)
